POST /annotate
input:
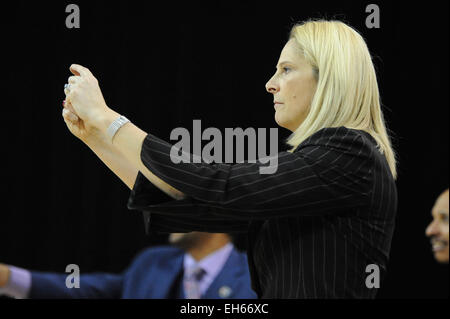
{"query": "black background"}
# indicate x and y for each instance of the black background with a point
(163, 66)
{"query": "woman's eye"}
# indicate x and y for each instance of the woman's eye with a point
(286, 70)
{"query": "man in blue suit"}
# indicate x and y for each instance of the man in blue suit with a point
(196, 265)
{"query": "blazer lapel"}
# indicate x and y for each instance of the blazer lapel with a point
(166, 276)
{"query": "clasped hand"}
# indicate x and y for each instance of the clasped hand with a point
(84, 107)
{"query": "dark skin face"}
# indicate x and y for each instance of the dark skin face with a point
(437, 230)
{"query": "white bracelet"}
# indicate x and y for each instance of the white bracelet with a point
(116, 125)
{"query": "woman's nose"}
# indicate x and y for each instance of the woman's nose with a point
(271, 86)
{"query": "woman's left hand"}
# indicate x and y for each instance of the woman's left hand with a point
(86, 98)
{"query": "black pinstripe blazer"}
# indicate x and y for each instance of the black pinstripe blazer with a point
(313, 226)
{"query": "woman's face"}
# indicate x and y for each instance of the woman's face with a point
(293, 86)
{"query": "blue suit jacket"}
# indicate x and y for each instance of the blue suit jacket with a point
(151, 275)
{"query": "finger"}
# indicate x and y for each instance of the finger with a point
(72, 117)
(68, 115)
(70, 125)
(65, 113)
(69, 88)
(77, 69)
(73, 79)
(69, 93)
(69, 106)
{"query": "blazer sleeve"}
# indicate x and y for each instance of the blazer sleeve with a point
(163, 213)
(96, 286)
(328, 172)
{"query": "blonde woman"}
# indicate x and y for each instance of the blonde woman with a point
(327, 214)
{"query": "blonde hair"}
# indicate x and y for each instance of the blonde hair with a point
(347, 90)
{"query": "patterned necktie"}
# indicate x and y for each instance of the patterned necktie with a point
(191, 282)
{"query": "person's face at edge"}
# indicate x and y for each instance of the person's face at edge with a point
(437, 230)
(293, 86)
